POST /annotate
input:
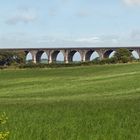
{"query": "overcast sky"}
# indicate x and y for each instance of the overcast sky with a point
(69, 23)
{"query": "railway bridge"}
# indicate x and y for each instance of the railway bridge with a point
(68, 53)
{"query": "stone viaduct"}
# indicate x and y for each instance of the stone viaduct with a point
(68, 53)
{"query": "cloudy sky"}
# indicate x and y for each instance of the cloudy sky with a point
(69, 23)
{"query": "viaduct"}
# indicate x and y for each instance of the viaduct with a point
(68, 53)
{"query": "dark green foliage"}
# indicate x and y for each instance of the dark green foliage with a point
(123, 55)
(111, 60)
(10, 57)
(52, 65)
(6, 58)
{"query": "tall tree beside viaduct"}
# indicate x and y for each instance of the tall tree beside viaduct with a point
(123, 55)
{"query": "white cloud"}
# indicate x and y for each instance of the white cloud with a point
(24, 15)
(132, 2)
(89, 40)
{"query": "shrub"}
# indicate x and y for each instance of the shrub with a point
(125, 59)
(123, 55)
(111, 60)
(3, 133)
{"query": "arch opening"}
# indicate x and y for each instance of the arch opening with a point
(74, 56)
(94, 56)
(60, 58)
(91, 55)
(54, 56)
(112, 54)
(28, 57)
(88, 55)
(135, 54)
(41, 57)
(108, 53)
(44, 58)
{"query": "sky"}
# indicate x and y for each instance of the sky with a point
(69, 23)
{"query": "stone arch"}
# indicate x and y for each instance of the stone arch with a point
(71, 55)
(28, 56)
(112, 54)
(135, 53)
(44, 58)
(107, 53)
(39, 55)
(55, 54)
(90, 54)
(60, 57)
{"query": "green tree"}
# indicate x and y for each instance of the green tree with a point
(10, 57)
(123, 55)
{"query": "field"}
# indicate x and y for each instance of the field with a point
(79, 103)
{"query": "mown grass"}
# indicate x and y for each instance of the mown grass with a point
(80, 103)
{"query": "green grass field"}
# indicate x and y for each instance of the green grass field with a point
(80, 103)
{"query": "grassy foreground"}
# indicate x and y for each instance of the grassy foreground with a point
(81, 103)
